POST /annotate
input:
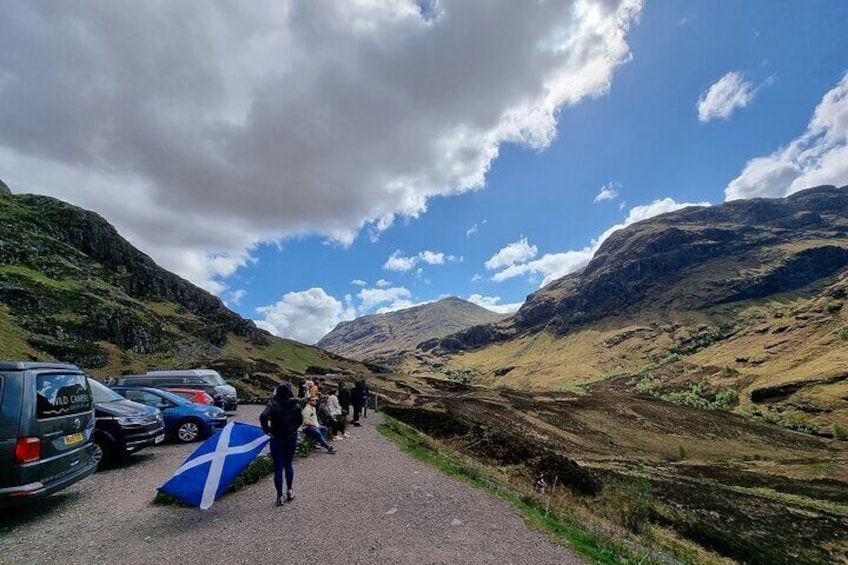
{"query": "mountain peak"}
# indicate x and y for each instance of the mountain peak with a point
(386, 338)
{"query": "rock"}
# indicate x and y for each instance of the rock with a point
(456, 523)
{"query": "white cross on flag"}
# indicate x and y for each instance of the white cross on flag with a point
(214, 465)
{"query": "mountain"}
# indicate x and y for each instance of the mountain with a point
(386, 338)
(748, 295)
(72, 289)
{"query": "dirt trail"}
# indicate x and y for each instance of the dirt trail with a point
(370, 503)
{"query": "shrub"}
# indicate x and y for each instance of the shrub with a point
(843, 332)
(724, 399)
(798, 420)
(575, 389)
(840, 431)
(648, 385)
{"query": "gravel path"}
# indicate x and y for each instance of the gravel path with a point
(370, 503)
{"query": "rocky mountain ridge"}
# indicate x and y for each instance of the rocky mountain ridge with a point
(386, 338)
(692, 260)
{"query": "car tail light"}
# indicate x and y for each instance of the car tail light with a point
(27, 450)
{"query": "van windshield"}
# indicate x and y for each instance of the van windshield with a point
(102, 393)
(216, 380)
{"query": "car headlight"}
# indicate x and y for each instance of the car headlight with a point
(130, 421)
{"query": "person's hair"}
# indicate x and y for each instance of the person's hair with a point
(282, 393)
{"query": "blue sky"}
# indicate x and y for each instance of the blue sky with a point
(313, 163)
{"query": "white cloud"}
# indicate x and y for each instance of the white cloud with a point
(305, 316)
(372, 297)
(397, 261)
(234, 297)
(251, 122)
(432, 258)
(516, 252)
(608, 192)
(556, 265)
(730, 92)
(493, 303)
(819, 156)
(471, 231)
(358, 282)
(382, 283)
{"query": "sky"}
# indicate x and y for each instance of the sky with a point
(312, 162)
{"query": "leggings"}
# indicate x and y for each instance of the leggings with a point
(282, 453)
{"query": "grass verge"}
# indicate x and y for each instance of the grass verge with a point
(569, 530)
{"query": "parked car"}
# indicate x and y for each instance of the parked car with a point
(46, 429)
(206, 380)
(191, 394)
(184, 420)
(122, 426)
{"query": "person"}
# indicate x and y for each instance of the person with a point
(301, 389)
(356, 399)
(344, 398)
(366, 398)
(313, 428)
(281, 419)
(333, 415)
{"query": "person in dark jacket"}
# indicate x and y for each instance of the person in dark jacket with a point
(281, 419)
(344, 399)
(356, 396)
(366, 399)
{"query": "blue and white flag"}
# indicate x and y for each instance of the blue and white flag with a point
(213, 466)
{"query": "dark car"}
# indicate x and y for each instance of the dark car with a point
(209, 381)
(122, 426)
(46, 429)
(184, 420)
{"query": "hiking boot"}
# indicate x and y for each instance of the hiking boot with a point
(332, 450)
(289, 496)
(279, 501)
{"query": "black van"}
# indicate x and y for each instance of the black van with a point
(46, 428)
(122, 426)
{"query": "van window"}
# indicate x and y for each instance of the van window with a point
(61, 395)
(215, 379)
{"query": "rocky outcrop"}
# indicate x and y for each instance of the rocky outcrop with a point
(690, 260)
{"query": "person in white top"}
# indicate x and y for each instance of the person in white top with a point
(336, 413)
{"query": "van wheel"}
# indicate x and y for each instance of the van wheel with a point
(188, 431)
(101, 453)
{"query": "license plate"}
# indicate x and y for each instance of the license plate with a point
(159, 439)
(73, 439)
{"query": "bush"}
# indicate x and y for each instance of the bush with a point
(724, 399)
(798, 420)
(840, 431)
(843, 332)
(648, 385)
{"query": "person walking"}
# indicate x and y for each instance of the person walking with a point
(281, 419)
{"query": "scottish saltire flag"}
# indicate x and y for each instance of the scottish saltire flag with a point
(214, 465)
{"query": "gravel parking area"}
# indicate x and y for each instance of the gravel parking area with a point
(370, 503)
